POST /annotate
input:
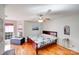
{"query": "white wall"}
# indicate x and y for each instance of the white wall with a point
(28, 28)
(58, 24)
(2, 29)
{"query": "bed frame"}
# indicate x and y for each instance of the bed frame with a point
(35, 45)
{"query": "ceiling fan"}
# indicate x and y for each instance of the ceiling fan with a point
(44, 16)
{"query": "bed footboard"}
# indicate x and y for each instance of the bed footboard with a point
(34, 45)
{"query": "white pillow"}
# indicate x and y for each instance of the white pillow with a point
(49, 36)
(44, 35)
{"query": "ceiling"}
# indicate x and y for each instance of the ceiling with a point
(31, 11)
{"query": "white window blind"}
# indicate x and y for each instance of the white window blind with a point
(9, 28)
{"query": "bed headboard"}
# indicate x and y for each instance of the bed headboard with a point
(54, 33)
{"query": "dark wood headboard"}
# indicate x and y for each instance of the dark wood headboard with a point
(54, 33)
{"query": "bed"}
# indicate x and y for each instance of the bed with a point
(43, 40)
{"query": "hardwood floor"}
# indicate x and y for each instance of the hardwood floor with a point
(54, 49)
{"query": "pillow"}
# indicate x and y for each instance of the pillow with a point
(44, 35)
(48, 36)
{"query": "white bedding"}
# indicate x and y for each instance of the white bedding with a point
(42, 40)
(45, 42)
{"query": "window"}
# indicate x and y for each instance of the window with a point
(9, 30)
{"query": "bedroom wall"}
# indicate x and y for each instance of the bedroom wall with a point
(2, 29)
(58, 23)
(28, 28)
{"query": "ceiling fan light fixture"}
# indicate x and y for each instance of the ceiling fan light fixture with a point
(40, 21)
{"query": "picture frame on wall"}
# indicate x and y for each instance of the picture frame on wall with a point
(67, 30)
(35, 28)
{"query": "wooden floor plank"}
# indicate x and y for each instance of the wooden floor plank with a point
(54, 49)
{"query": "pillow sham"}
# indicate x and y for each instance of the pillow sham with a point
(49, 36)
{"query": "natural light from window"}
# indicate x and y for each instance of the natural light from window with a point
(9, 28)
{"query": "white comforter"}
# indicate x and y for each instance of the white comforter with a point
(41, 41)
